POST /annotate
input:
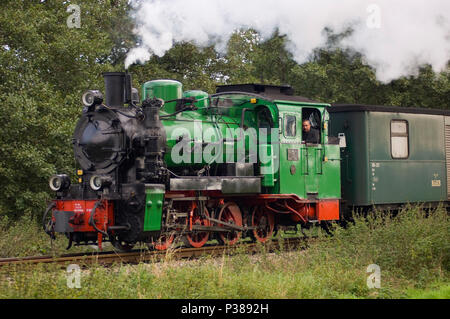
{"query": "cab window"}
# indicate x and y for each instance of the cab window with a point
(314, 117)
(290, 126)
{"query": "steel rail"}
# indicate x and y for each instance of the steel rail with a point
(137, 256)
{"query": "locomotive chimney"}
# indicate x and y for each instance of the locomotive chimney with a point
(114, 88)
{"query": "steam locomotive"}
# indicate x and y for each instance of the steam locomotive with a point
(189, 165)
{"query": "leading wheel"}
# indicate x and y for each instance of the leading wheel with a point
(164, 242)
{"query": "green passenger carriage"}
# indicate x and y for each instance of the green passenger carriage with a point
(394, 155)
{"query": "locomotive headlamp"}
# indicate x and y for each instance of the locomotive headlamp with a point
(92, 97)
(59, 182)
(97, 182)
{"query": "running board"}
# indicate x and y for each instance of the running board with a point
(225, 184)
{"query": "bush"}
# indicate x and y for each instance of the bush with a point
(413, 244)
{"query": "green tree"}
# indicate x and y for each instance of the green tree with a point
(45, 67)
(426, 89)
(336, 76)
(194, 67)
(273, 62)
(240, 57)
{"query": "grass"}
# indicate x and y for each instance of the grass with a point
(412, 250)
(440, 293)
(25, 237)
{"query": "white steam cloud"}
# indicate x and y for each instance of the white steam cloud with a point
(395, 36)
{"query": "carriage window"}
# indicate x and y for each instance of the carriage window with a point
(399, 139)
(290, 126)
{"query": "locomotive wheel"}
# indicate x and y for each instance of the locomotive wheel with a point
(198, 239)
(264, 222)
(230, 213)
(164, 242)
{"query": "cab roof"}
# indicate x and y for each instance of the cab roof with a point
(269, 92)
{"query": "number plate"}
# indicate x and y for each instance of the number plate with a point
(292, 154)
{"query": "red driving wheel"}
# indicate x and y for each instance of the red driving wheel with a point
(264, 222)
(231, 214)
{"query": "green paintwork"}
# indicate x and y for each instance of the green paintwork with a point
(201, 97)
(312, 156)
(312, 172)
(369, 173)
(163, 89)
(269, 167)
(330, 179)
(215, 124)
(316, 171)
(154, 198)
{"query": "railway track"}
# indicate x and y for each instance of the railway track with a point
(137, 256)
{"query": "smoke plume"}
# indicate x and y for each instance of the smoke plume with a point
(395, 36)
